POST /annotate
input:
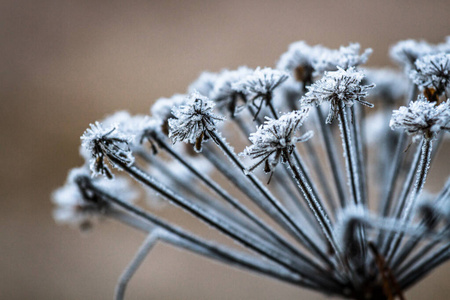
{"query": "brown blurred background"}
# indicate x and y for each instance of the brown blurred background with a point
(65, 64)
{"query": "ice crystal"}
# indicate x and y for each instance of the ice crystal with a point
(340, 88)
(422, 118)
(194, 122)
(432, 71)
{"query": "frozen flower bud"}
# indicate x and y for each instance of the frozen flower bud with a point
(432, 71)
(80, 207)
(299, 60)
(340, 88)
(344, 58)
(224, 94)
(204, 84)
(260, 84)
(422, 118)
(194, 122)
(406, 52)
(102, 143)
(275, 139)
(162, 109)
(390, 85)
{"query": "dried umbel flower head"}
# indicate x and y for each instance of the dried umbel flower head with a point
(340, 88)
(422, 118)
(80, 207)
(194, 122)
(276, 139)
(432, 71)
(260, 85)
(344, 58)
(314, 224)
(224, 93)
(104, 144)
(306, 61)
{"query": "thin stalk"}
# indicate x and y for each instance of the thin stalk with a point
(312, 187)
(240, 181)
(319, 171)
(299, 233)
(413, 242)
(427, 265)
(331, 151)
(421, 177)
(360, 163)
(229, 199)
(315, 206)
(403, 196)
(352, 174)
(192, 189)
(244, 238)
(215, 251)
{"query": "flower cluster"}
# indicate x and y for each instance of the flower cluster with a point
(314, 223)
(422, 118)
(106, 144)
(340, 88)
(276, 139)
(432, 71)
(194, 122)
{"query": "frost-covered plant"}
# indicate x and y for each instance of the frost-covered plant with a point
(326, 233)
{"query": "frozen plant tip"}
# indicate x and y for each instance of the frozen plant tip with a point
(340, 88)
(194, 122)
(101, 143)
(432, 71)
(276, 139)
(422, 118)
(259, 86)
(315, 223)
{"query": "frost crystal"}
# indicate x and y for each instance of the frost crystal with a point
(194, 122)
(276, 137)
(344, 58)
(422, 118)
(101, 143)
(340, 88)
(432, 71)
